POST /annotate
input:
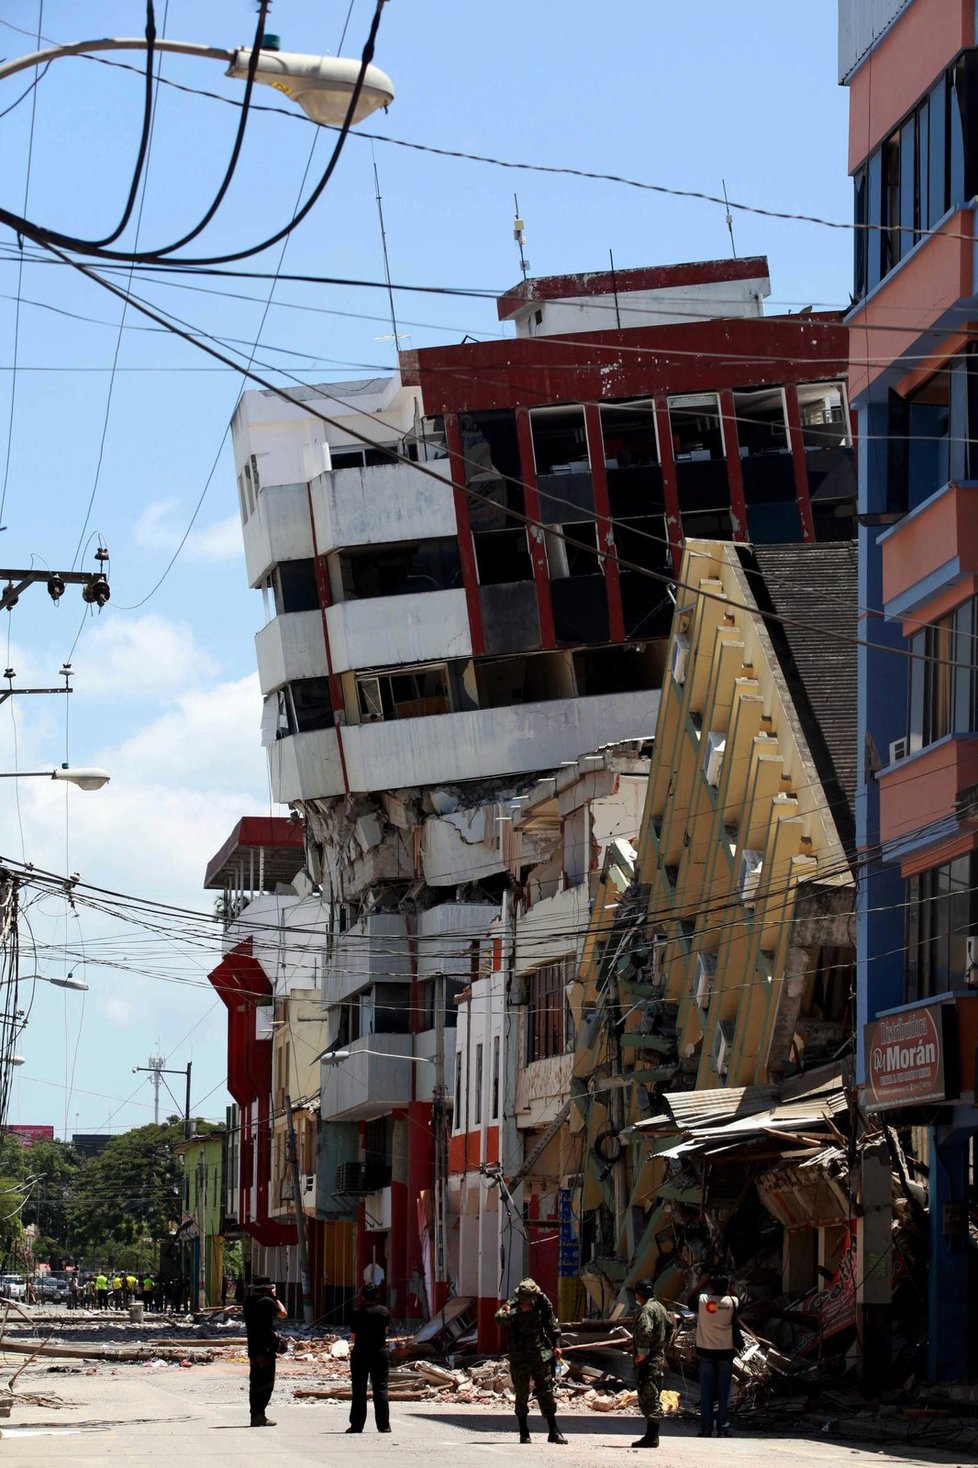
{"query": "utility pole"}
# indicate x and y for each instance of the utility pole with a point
(157, 1069)
(308, 1315)
(440, 1130)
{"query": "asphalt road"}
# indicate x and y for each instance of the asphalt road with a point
(170, 1417)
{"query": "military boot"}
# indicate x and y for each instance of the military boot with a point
(523, 1422)
(556, 1436)
(651, 1438)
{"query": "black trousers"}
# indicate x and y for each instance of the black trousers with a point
(261, 1383)
(375, 1366)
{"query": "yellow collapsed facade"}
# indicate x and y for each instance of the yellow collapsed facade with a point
(719, 954)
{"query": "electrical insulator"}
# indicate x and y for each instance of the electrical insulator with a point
(56, 587)
(96, 592)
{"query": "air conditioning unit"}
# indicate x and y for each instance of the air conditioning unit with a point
(680, 657)
(716, 744)
(749, 880)
(899, 749)
(723, 1036)
(706, 967)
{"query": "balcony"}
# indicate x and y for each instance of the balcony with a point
(387, 502)
(919, 795)
(929, 551)
(279, 529)
(385, 631)
(374, 950)
(462, 746)
(377, 1078)
(291, 646)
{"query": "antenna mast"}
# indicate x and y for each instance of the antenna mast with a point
(518, 236)
(383, 242)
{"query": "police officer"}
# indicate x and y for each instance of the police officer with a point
(650, 1331)
(534, 1346)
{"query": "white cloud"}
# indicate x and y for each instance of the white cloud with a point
(160, 528)
(140, 657)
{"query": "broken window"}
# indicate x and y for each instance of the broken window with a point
(295, 588)
(563, 470)
(503, 682)
(510, 617)
(631, 457)
(646, 603)
(828, 458)
(697, 434)
(604, 670)
(410, 693)
(574, 550)
(309, 705)
(701, 469)
(766, 465)
(502, 556)
(397, 570)
(491, 461)
(824, 415)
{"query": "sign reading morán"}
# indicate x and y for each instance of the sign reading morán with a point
(911, 1057)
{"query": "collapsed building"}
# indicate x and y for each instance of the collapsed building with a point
(467, 575)
(717, 997)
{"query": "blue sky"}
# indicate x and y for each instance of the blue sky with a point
(166, 696)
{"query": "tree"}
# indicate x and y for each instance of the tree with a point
(42, 1173)
(128, 1196)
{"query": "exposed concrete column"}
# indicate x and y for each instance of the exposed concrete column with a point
(874, 1264)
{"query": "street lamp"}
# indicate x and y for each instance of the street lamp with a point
(321, 85)
(86, 777)
(333, 1057)
(69, 982)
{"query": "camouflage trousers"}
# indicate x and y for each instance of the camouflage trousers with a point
(648, 1378)
(538, 1372)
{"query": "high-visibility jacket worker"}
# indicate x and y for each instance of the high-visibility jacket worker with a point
(117, 1282)
(101, 1291)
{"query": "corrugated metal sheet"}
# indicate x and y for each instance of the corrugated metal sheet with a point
(861, 23)
(819, 1093)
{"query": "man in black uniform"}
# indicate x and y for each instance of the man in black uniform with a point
(261, 1310)
(369, 1358)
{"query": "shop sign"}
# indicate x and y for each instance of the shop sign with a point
(28, 1135)
(910, 1057)
(570, 1244)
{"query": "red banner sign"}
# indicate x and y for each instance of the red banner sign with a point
(28, 1135)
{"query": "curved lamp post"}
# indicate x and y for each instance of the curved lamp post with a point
(320, 85)
(86, 777)
(333, 1057)
(69, 982)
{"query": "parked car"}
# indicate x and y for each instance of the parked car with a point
(51, 1287)
(13, 1287)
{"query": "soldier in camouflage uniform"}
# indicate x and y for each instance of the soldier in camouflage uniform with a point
(650, 1331)
(534, 1345)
